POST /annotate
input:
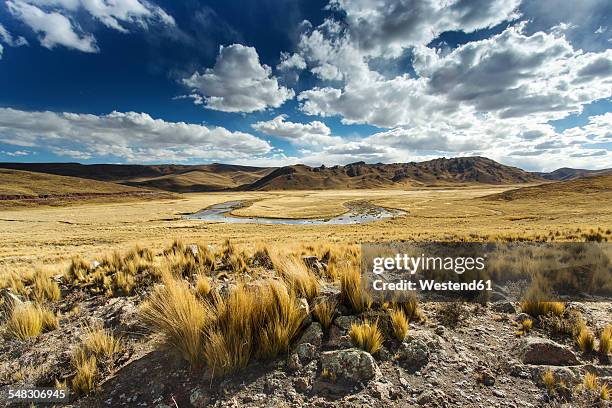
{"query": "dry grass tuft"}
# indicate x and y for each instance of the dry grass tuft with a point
(527, 325)
(604, 392)
(100, 343)
(297, 275)
(78, 270)
(549, 380)
(537, 308)
(202, 286)
(399, 323)
(590, 382)
(585, 341)
(605, 340)
(29, 320)
(323, 312)
(173, 310)
(367, 336)
(352, 292)
(86, 368)
(44, 288)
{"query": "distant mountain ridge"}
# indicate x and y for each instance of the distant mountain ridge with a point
(220, 177)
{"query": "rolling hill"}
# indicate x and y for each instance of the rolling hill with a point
(566, 173)
(599, 186)
(25, 186)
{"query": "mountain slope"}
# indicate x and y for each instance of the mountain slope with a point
(566, 173)
(361, 175)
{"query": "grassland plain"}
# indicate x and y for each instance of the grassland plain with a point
(52, 235)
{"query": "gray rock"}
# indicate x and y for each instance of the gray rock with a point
(564, 374)
(351, 365)
(345, 322)
(503, 307)
(413, 354)
(198, 398)
(537, 350)
(306, 352)
(312, 335)
(521, 317)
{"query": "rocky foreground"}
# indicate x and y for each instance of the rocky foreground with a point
(453, 355)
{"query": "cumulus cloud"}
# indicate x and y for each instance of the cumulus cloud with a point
(130, 136)
(314, 133)
(55, 21)
(238, 82)
(8, 39)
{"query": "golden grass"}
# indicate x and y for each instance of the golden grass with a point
(537, 308)
(173, 310)
(367, 336)
(549, 380)
(526, 325)
(605, 340)
(86, 368)
(100, 343)
(399, 323)
(44, 288)
(604, 392)
(297, 275)
(590, 382)
(77, 270)
(585, 341)
(30, 320)
(202, 286)
(352, 292)
(323, 312)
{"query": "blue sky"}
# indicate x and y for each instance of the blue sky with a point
(315, 82)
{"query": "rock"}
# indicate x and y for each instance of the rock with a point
(351, 365)
(564, 374)
(486, 377)
(293, 362)
(198, 398)
(302, 384)
(537, 350)
(413, 354)
(345, 322)
(313, 263)
(306, 352)
(337, 339)
(496, 296)
(521, 317)
(503, 307)
(312, 335)
(440, 330)
(380, 389)
(499, 393)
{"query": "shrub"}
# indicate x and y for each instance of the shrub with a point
(44, 288)
(323, 312)
(537, 308)
(352, 292)
(585, 341)
(605, 340)
(174, 311)
(30, 320)
(367, 336)
(399, 323)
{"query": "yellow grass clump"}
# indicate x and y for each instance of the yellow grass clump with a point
(352, 292)
(323, 312)
(78, 270)
(604, 392)
(585, 341)
(29, 320)
(100, 343)
(202, 286)
(399, 323)
(537, 308)
(174, 310)
(297, 275)
(549, 380)
(526, 325)
(367, 336)
(605, 340)
(86, 372)
(44, 288)
(590, 382)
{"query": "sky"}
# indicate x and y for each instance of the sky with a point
(276, 82)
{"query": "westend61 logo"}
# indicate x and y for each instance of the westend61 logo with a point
(447, 271)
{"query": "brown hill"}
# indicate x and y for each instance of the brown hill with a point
(18, 186)
(566, 173)
(361, 175)
(599, 186)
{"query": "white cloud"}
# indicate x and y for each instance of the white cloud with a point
(130, 136)
(56, 20)
(238, 82)
(314, 133)
(9, 40)
(16, 153)
(291, 61)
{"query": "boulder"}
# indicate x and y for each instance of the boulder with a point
(413, 353)
(350, 365)
(503, 307)
(537, 350)
(312, 335)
